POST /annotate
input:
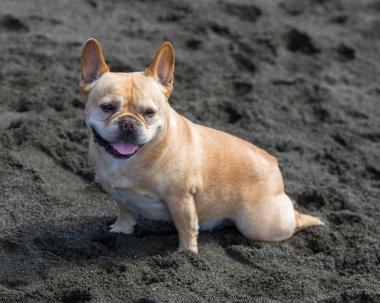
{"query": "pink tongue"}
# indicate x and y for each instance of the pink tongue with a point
(125, 147)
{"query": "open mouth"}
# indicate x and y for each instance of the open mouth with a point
(121, 149)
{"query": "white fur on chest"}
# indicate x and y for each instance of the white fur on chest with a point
(146, 206)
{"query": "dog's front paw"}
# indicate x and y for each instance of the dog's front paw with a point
(194, 249)
(122, 226)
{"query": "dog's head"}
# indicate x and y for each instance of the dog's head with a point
(126, 111)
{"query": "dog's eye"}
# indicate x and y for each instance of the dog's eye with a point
(107, 108)
(149, 113)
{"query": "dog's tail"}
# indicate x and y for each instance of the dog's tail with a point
(304, 221)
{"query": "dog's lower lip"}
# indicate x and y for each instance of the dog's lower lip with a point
(108, 146)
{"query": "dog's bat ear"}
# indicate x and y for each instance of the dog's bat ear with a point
(162, 67)
(93, 64)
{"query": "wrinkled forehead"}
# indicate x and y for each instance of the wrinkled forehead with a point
(127, 87)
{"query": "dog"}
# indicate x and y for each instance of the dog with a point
(158, 164)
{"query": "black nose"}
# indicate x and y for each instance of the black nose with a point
(128, 124)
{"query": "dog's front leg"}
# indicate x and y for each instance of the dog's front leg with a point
(184, 215)
(125, 221)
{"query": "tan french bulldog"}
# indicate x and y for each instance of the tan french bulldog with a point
(160, 165)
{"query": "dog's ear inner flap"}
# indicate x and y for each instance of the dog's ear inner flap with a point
(93, 64)
(162, 67)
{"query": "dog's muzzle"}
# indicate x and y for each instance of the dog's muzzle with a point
(124, 148)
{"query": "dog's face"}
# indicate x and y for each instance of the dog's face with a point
(126, 111)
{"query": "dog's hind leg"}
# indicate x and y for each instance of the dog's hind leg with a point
(273, 220)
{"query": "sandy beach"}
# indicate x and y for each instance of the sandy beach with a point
(299, 79)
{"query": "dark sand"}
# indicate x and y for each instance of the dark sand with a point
(298, 78)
